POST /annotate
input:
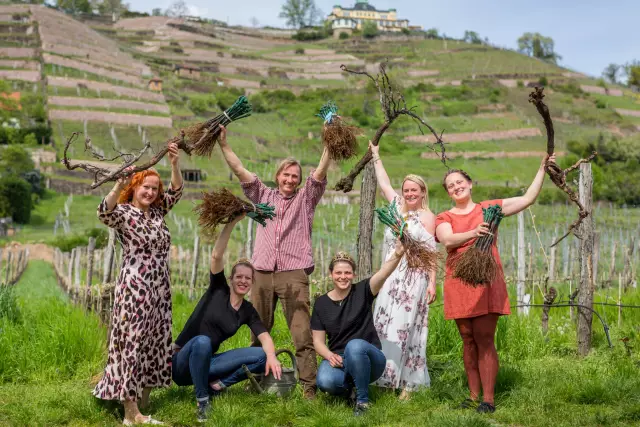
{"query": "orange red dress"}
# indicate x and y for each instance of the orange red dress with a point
(463, 301)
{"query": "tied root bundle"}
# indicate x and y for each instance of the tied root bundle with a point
(203, 136)
(418, 255)
(477, 266)
(337, 136)
(221, 207)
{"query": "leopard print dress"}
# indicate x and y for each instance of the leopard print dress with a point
(140, 341)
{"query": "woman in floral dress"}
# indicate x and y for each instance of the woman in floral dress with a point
(140, 342)
(402, 308)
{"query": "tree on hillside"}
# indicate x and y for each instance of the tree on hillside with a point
(254, 22)
(370, 29)
(177, 9)
(632, 71)
(15, 160)
(74, 7)
(432, 33)
(611, 73)
(538, 46)
(472, 37)
(300, 13)
(156, 11)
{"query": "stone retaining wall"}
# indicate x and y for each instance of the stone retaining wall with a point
(115, 75)
(72, 101)
(18, 52)
(478, 136)
(108, 117)
(630, 113)
(27, 76)
(94, 85)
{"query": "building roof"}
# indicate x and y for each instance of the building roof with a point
(364, 5)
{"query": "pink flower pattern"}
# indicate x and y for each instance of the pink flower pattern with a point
(401, 318)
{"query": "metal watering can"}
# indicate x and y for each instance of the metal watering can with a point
(269, 384)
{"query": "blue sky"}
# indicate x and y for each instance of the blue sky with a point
(589, 34)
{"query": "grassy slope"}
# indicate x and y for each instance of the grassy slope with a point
(44, 380)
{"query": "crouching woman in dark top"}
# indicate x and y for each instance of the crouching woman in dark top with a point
(217, 317)
(353, 359)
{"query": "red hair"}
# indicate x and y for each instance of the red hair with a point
(126, 196)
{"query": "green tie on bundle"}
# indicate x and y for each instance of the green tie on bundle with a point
(221, 207)
(203, 136)
(477, 265)
(337, 136)
(419, 256)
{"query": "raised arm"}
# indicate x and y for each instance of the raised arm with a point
(381, 174)
(217, 254)
(174, 158)
(321, 171)
(378, 279)
(232, 160)
(114, 194)
(513, 205)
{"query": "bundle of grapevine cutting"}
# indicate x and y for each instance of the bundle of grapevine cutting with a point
(337, 136)
(221, 207)
(418, 255)
(477, 266)
(203, 136)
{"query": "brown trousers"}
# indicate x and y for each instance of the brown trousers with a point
(292, 289)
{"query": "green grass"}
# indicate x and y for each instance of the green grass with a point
(542, 382)
(90, 93)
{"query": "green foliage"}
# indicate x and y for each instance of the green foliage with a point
(343, 36)
(600, 103)
(15, 160)
(17, 192)
(74, 6)
(457, 108)
(299, 51)
(405, 31)
(370, 29)
(432, 33)
(471, 37)
(100, 234)
(16, 136)
(70, 241)
(310, 35)
(9, 309)
(35, 180)
(538, 46)
(571, 88)
(611, 73)
(227, 97)
(520, 83)
(300, 13)
(543, 81)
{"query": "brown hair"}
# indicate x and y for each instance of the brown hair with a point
(342, 257)
(289, 161)
(126, 196)
(243, 262)
(417, 179)
(452, 171)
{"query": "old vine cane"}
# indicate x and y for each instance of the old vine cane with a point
(199, 138)
(269, 384)
(559, 176)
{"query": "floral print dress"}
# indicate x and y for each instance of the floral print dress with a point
(140, 340)
(401, 316)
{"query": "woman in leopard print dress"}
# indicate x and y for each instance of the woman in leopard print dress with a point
(140, 342)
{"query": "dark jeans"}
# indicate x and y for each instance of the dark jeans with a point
(195, 365)
(362, 362)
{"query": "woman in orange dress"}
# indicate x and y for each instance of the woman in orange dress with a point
(476, 309)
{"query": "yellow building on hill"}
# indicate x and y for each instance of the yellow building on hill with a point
(348, 19)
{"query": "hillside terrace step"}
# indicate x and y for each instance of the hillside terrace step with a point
(478, 136)
(109, 117)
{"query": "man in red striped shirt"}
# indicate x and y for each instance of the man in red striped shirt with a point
(283, 257)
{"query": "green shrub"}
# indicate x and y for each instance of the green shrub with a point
(343, 36)
(370, 30)
(279, 96)
(227, 97)
(18, 192)
(405, 31)
(68, 242)
(458, 108)
(543, 81)
(299, 51)
(520, 83)
(100, 234)
(258, 104)
(309, 35)
(30, 139)
(601, 104)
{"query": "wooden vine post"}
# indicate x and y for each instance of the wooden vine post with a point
(393, 106)
(586, 286)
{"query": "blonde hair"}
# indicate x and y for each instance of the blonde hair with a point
(289, 161)
(416, 179)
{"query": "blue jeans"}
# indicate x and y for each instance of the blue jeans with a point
(362, 362)
(195, 365)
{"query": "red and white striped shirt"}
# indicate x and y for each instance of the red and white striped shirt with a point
(285, 243)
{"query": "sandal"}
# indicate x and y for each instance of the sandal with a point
(486, 408)
(148, 420)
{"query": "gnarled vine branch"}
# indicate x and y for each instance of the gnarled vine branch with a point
(103, 173)
(558, 175)
(393, 106)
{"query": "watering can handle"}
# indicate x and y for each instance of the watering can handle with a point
(293, 360)
(252, 379)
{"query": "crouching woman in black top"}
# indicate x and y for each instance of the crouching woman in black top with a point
(343, 315)
(217, 317)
